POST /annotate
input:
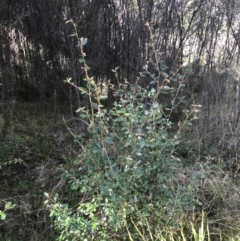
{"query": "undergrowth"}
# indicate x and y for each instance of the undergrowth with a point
(29, 156)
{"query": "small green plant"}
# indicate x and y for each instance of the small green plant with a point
(128, 169)
(8, 206)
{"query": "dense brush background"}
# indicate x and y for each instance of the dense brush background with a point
(40, 49)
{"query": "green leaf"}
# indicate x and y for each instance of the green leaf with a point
(55, 197)
(2, 215)
(103, 97)
(114, 165)
(164, 92)
(119, 119)
(123, 110)
(183, 101)
(185, 111)
(94, 226)
(109, 141)
(74, 186)
(142, 143)
(165, 74)
(94, 105)
(166, 87)
(85, 181)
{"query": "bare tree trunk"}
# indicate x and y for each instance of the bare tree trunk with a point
(4, 66)
(234, 124)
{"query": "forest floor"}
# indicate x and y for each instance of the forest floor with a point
(40, 141)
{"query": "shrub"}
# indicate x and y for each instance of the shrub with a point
(127, 174)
